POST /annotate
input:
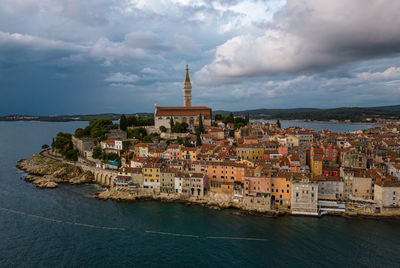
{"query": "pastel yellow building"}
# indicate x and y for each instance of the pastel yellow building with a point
(250, 152)
(188, 153)
(316, 161)
(151, 175)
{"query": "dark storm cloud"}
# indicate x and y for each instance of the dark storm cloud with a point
(71, 56)
(310, 35)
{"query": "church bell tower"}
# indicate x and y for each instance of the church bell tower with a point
(187, 89)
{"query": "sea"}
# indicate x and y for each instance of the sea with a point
(68, 227)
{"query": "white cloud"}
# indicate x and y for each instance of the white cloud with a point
(122, 78)
(15, 40)
(310, 35)
(148, 70)
(110, 51)
(145, 40)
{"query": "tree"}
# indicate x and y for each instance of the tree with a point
(111, 156)
(63, 142)
(229, 118)
(97, 152)
(278, 123)
(136, 133)
(239, 122)
(247, 118)
(148, 121)
(163, 129)
(185, 142)
(239, 125)
(123, 123)
(132, 121)
(171, 123)
(218, 117)
(100, 127)
(200, 128)
(72, 154)
(198, 140)
(180, 127)
(45, 146)
(79, 133)
(126, 145)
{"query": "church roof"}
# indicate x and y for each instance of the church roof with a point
(183, 111)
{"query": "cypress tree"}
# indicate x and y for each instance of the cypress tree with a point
(123, 123)
(198, 140)
(278, 123)
(200, 128)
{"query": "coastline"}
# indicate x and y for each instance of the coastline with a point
(46, 172)
(257, 119)
(319, 122)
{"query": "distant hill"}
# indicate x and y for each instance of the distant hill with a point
(388, 108)
(266, 112)
(355, 114)
(66, 118)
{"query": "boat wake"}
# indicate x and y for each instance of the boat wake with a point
(126, 229)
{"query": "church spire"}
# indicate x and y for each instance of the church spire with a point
(187, 89)
(187, 78)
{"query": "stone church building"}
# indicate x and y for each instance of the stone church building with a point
(188, 113)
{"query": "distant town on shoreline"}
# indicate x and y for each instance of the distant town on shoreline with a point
(188, 153)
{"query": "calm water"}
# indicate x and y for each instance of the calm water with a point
(27, 241)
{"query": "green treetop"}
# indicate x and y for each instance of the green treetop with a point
(123, 122)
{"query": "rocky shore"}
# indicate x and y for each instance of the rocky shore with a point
(218, 202)
(45, 172)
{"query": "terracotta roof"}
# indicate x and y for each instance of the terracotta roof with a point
(388, 183)
(123, 177)
(326, 178)
(141, 144)
(109, 141)
(184, 111)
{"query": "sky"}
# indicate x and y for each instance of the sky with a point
(100, 56)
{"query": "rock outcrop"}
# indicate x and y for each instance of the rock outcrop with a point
(47, 173)
(212, 201)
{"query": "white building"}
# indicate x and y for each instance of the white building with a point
(111, 146)
(304, 197)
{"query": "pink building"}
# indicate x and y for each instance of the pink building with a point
(283, 150)
(257, 186)
(173, 152)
